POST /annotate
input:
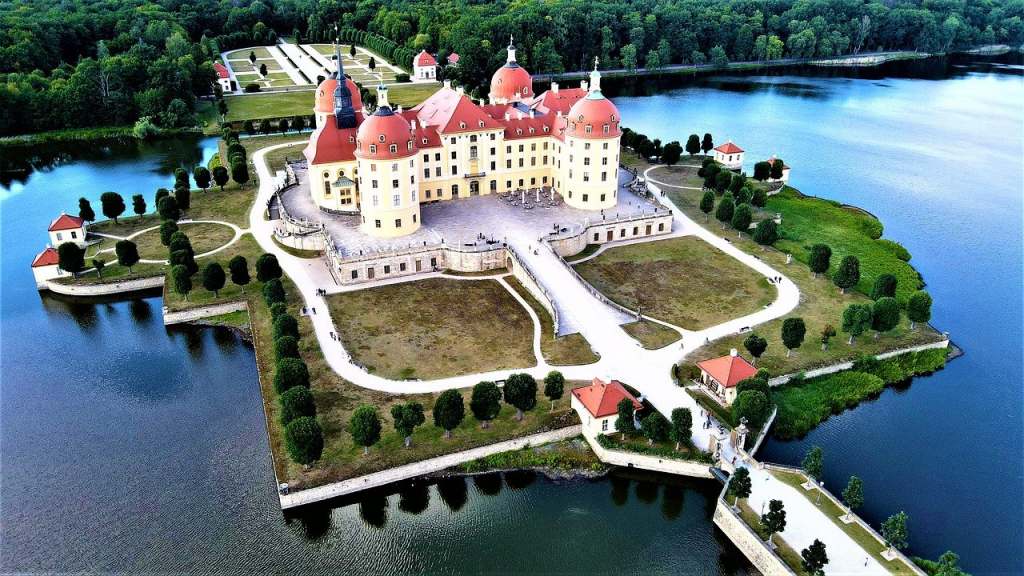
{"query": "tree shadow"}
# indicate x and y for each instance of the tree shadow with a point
(620, 489)
(453, 492)
(414, 498)
(519, 479)
(488, 484)
(373, 509)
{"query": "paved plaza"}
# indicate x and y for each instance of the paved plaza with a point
(463, 221)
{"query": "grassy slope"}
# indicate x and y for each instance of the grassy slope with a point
(651, 335)
(568, 350)
(204, 238)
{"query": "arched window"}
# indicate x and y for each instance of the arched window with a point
(373, 148)
(393, 148)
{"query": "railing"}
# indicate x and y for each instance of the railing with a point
(533, 277)
(593, 291)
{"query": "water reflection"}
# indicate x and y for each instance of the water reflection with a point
(414, 498)
(620, 489)
(373, 509)
(672, 502)
(519, 479)
(316, 522)
(646, 491)
(488, 484)
(142, 312)
(453, 492)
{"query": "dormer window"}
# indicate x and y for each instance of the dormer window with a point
(462, 124)
(393, 148)
(606, 129)
(545, 129)
(519, 131)
(531, 130)
(409, 144)
(381, 137)
(424, 140)
(480, 123)
(351, 139)
(373, 148)
(587, 129)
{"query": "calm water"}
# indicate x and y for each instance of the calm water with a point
(127, 446)
(935, 151)
(130, 447)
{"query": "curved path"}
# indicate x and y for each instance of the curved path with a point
(239, 231)
(622, 357)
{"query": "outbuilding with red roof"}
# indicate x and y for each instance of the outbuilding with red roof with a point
(424, 66)
(67, 228)
(729, 155)
(598, 404)
(46, 266)
(223, 76)
(721, 375)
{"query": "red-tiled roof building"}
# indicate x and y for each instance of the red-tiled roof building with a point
(67, 228)
(729, 155)
(424, 66)
(598, 404)
(721, 375)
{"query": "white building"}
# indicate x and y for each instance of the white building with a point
(729, 155)
(223, 77)
(67, 229)
(46, 267)
(598, 405)
(785, 170)
(424, 66)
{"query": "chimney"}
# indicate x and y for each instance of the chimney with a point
(554, 87)
(531, 113)
(460, 90)
(448, 84)
(558, 113)
(584, 85)
(412, 124)
(399, 108)
(507, 116)
(733, 352)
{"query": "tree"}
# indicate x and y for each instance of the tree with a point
(948, 565)
(762, 171)
(168, 209)
(919, 308)
(766, 232)
(85, 211)
(820, 259)
(725, 209)
(289, 373)
(98, 264)
(682, 425)
(756, 345)
(739, 485)
(202, 177)
(364, 426)
(285, 325)
(182, 280)
(752, 405)
(853, 495)
(856, 320)
(184, 258)
(741, 218)
(372, 65)
(183, 196)
(240, 172)
(213, 278)
(624, 421)
(161, 193)
(296, 402)
(848, 273)
(885, 315)
(885, 285)
(759, 197)
(267, 268)
(813, 558)
(655, 427)
(252, 57)
(707, 143)
(304, 440)
(693, 144)
(449, 411)
(554, 386)
(139, 204)
(112, 205)
(521, 392)
(485, 402)
(776, 169)
(628, 56)
(239, 270)
(282, 125)
(756, 383)
(286, 347)
(774, 520)
(70, 258)
(723, 178)
(407, 417)
(352, 50)
(894, 530)
(179, 241)
(793, 331)
(813, 463)
(127, 254)
(263, 70)
(826, 334)
(249, 128)
(180, 178)
(220, 176)
(277, 309)
(273, 291)
(707, 204)
(298, 123)
(671, 153)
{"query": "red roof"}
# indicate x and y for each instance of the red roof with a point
(332, 144)
(452, 112)
(382, 130)
(48, 257)
(596, 112)
(601, 399)
(424, 59)
(729, 148)
(221, 70)
(65, 222)
(325, 95)
(560, 101)
(511, 82)
(453, 58)
(728, 370)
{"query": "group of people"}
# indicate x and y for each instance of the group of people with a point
(321, 292)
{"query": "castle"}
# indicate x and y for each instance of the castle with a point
(384, 166)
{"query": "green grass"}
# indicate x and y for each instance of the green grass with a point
(855, 531)
(788, 555)
(434, 328)
(567, 455)
(297, 252)
(199, 296)
(568, 350)
(639, 444)
(682, 281)
(651, 335)
(276, 158)
(237, 319)
(270, 105)
(722, 414)
(204, 238)
(409, 95)
(126, 226)
(680, 175)
(231, 205)
(588, 250)
(243, 53)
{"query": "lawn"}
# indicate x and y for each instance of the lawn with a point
(199, 296)
(243, 53)
(568, 350)
(231, 205)
(409, 95)
(276, 158)
(821, 303)
(204, 238)
(679, 175)
(271, 105)
(434, 328)
(854, 530)
(336, 398)
(682, 281)
(127, 225)
(651, 335)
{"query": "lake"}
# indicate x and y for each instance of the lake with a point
(128, 446)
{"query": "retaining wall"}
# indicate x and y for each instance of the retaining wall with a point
(748, 542)
(191, 314)
(107, 289)
(652, 463)
(533, 286)
(416, 260)
(639, 226)
(780, 380)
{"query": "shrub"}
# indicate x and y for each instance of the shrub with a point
(252, 87)
(286, 347)
(752, 405)
(296, 402)
(805, 404)
(286, 325)
(401, 77)
(896, 248)
(273, 291)
(278, 308)
(304, 440)
(289, 373)
(928, 361)
(267, 268)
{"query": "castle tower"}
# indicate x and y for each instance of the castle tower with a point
(511, 82)
(590, 157)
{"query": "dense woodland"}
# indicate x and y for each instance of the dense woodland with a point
(81, 63)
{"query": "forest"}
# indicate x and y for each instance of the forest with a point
(83, 63)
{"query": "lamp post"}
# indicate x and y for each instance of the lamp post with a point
(821, 486)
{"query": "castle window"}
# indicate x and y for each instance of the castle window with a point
(393, 148)
(428, 193)
(426, 172)
(381, 137)
(426, 157)
(519, 131)
(377, 224)
(585, 196)
(586, 146)
(355, 274)
(472, 137)
(351, 139)
(401, 266)
(462, 124)
(453, 154)
(373, 184)
(327, 174)
(604, 161)
(373, 167)
(453, 140)
(604, 176)
(455, 170)
(327, 191)
(437, 156)
(394, 166)
(387, 267)
(396, 200)
(376, 200)
(587, 129)
(413, 221)
(586, 176)
(408, 145)
(521, 148)
(606, 129)
(412, 196)
(394, 183)
(373, 148)
(586, 161)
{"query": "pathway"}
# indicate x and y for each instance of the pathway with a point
(621, 357)
(239, 231)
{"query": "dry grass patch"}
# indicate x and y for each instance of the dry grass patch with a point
(434, 328)
(568, 350)
(204, 238)
(682, 281)
(651, 335)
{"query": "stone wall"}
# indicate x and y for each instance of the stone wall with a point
(532, 285)
(107, 289)
(748, 542)
(625, 459)
(780, 380)
(417, 260)
(191, 314)
(628, 228)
